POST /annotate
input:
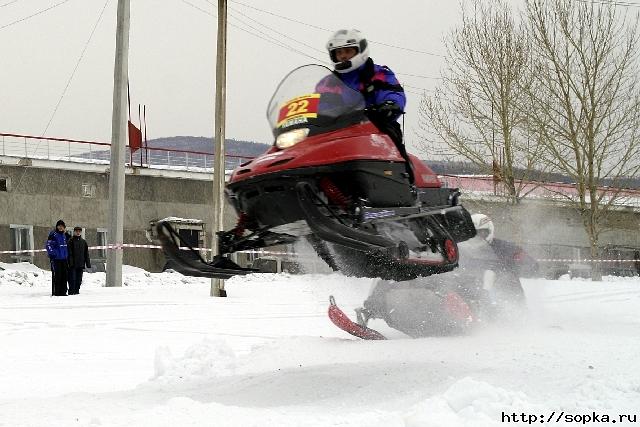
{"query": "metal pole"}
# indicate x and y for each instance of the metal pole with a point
(217, 285)
(118, 147)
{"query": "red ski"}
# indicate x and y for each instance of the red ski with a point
(343, 322)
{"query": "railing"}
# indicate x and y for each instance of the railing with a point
(533, 189)
(36, 147)
(46, 148)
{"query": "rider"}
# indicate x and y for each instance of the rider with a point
(512, 256)
(384, 96)
(486, 282)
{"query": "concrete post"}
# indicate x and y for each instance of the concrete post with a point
(119, 133)
(217, 285)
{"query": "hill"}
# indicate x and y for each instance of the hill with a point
(203, 144)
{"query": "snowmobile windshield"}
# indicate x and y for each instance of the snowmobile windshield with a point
(312, 97)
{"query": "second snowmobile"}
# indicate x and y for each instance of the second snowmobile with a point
(486, 287)
(334, 178)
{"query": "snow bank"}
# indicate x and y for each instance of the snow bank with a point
(20, 266)
(24, 278)
(468, 402)
(210, 358)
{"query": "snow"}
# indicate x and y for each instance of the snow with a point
(160, 352)
(20, 266)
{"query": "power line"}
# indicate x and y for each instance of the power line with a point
(7, 4)
(328, 30)
(281, 17)
(68, 82)
(73, 73)
(277, 32)
(270, 39)
(420, 76)
(611, 3)
(417, 88)
(260, 34)
(31, 16)
(408, 49)
(309, 46)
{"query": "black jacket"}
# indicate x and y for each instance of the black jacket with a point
(515, 258)
(78, 253)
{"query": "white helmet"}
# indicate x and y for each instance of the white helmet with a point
(483, 222)
(348, 38)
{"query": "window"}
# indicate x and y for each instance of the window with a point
(102, 241)
(22, 240)
(4, 184)
(88, 190)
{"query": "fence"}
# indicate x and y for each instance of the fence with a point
(532, 189)
(36, 147)
(46, 148)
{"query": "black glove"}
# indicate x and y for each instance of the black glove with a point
(386, 111)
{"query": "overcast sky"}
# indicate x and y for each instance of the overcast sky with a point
(172, 59)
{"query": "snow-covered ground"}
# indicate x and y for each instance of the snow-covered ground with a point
(160, 352)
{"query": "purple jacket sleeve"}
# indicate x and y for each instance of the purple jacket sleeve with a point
(386, 75)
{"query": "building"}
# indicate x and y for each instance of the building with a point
(35, 193)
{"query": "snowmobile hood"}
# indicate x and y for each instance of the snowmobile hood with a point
(360, 142)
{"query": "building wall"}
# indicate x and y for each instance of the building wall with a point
(40, 196)
(538, 223)
(44, 191)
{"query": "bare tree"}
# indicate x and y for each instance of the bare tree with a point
(586, 103)
(478, 113)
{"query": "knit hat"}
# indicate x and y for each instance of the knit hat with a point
(60, 222)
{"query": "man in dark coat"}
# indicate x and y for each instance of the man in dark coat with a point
(78, 260)
(58, 255)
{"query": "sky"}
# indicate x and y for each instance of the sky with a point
(58, 55)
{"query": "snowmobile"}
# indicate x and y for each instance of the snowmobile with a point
(334, 178)
(485, 287)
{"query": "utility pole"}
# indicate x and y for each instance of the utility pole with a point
(119, 132)
(217, 285)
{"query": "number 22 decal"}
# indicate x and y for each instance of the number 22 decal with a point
(297, 107)
(298, 110)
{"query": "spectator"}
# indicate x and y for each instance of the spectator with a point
(78, 260)
(58, 256)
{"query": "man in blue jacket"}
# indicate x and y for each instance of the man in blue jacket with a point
(383, 94)
(59, 257)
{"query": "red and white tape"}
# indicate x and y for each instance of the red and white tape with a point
(273, 253)
(584, 261)
(132, 245)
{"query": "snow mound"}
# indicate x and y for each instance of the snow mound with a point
(468, 402)
(210, 358)
(23, 278)
(130, 269)
(20, 266)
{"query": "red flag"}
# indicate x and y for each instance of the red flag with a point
(135, 138)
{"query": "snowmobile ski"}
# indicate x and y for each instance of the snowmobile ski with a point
(189, 262)
(343, 322)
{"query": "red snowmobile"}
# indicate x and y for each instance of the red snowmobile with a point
(334, 178)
